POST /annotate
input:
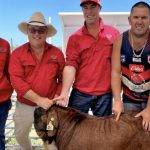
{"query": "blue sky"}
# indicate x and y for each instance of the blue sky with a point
(15, 11)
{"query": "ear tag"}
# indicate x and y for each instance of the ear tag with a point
(50, 126)
(52, 119)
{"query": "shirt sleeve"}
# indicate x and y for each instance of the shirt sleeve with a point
(72, 53)
(17, 77)
(7, 61)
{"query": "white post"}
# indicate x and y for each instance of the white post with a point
(49, 39)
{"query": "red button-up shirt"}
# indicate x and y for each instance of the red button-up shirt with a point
(92, 59)
(5, 85)
(44, 78)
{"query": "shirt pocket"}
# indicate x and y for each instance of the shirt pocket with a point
(52, 68)
(106, 49)
(85, 54)
(29, 68)
(86, 51)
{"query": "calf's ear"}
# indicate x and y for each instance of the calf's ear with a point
(52, 123)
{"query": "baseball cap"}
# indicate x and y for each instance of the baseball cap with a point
(94, 1)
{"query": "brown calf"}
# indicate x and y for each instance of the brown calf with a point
(73, 130)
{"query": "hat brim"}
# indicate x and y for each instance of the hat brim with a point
(90, 1)
(23, 28)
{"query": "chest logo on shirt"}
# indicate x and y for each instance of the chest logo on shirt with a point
(54, 57)
(123, 58)
(109, 36)
(136, 76)
(136, 68)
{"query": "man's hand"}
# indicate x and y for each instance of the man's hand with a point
(117, 108)
(145, 114)
(61, 100)
(44, 102)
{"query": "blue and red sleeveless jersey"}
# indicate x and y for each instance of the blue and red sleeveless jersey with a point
(135, 70)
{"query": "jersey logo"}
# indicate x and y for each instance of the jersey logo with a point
(136, 68)
(123, 58)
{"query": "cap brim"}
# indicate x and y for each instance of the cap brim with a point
(81, 4)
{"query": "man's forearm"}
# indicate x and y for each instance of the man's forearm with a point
(68, 78)
(32, 96)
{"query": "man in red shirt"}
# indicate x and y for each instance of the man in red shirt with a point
(88, 63)
(36, 74)
(5, 89)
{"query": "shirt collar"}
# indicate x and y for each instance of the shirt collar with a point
(47, 46)
(101, 23)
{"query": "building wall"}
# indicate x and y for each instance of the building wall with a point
(71, 21)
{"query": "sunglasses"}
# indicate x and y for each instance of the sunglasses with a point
(40, 30)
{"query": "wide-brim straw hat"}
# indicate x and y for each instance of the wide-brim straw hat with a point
(37, 19)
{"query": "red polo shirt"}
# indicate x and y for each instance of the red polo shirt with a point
(44, 78)
(5, 86)
(92, 59)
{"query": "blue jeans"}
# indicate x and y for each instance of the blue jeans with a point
(4, 109)
(130, 104)
(100, 105)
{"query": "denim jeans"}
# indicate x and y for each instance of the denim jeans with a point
(130, 104)
(100, 105)
(4, 109)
